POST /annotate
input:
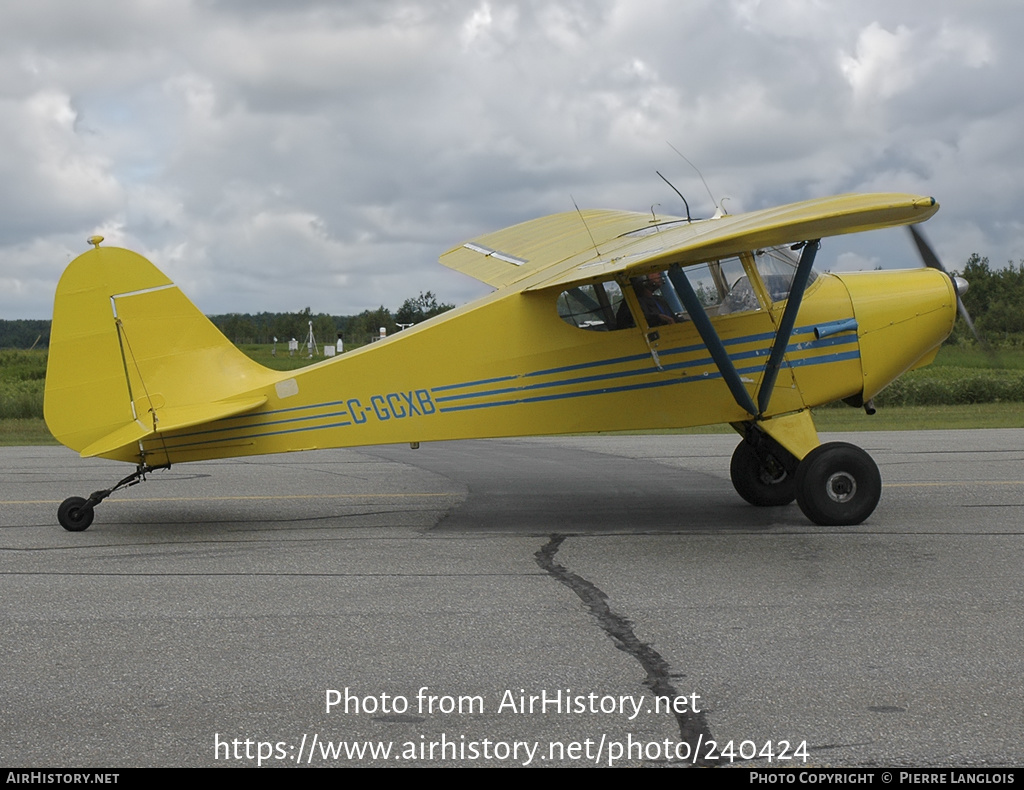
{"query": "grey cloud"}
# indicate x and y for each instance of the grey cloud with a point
(335, 149)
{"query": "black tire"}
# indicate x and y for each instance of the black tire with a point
(760, 484)
(74, 515)
(837, 485)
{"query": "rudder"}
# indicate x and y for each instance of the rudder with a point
(130, 355)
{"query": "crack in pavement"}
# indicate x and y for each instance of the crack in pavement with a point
(693, 727)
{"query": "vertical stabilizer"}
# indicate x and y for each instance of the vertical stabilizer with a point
(130, 354)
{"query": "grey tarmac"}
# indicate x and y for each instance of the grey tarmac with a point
(208, 612)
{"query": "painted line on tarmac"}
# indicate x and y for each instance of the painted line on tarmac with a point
(239, 498)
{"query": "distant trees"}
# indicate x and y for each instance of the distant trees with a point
(25, 334)
(424, 306)
(995, 300)
(356, 330)
(324, 330)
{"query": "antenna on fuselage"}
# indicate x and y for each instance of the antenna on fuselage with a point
(585, 225)
(678, 193)
(691, 164)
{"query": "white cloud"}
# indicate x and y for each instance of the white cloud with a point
(50, 168)
(881, 68)
(357, 141)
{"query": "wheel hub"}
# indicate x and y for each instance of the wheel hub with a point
(772, 473)
(841, 487)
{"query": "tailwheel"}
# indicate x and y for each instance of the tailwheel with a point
(837, 484)
(764, 482)
(75, 514)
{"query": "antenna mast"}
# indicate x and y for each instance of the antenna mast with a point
(678, 193)
(691, 164)
(585, 225)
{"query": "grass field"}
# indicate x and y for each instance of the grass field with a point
(24, 432)
(22, 376)
(974, 357)
(281, 360)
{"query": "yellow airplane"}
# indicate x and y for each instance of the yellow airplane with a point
(599, 321)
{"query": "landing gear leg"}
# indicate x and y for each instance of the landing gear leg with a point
(837, 485)
(75, 514)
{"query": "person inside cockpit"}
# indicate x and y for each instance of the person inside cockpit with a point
(655, 309)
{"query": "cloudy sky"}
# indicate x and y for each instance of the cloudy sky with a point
(323, 153)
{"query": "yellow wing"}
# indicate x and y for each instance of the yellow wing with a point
(510, 255)
(578, 247)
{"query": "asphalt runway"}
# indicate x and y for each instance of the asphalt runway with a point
(210, 614)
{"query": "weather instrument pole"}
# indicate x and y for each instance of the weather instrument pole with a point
(311, 342)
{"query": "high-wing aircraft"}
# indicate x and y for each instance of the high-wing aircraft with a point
(599, 321)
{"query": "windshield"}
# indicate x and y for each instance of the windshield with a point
(722, 287)
(777, 266)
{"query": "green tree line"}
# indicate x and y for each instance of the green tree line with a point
(243, 328)
(25, 334)
(995, 300)
(354, 330)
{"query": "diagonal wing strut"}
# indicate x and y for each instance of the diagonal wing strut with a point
(783, 334)
(785, 330)
(707, 332)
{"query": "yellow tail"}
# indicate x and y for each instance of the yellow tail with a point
(131, 356)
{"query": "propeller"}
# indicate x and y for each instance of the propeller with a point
(931, 260)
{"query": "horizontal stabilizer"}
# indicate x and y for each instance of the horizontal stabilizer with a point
(131, 433)
(170, 419)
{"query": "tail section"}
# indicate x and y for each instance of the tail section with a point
(131, 356)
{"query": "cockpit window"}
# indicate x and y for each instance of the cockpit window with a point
(722, 287)
(777, 267)
(594, 307)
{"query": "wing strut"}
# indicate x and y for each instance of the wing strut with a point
(711, 339)
(782, 336)
(785, 330)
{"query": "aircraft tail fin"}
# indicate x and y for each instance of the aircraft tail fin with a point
(131, 356)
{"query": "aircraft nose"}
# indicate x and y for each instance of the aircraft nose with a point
(903, 317)
(960, 284)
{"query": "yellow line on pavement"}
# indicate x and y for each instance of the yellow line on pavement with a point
(238, 498)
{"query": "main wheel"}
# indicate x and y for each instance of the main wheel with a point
(74, 515)
(837, 485)
(764, 484)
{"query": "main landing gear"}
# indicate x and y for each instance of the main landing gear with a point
(836, 484)
(763, 476)
(75, 514)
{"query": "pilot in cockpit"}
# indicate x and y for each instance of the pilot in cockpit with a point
(655, 309)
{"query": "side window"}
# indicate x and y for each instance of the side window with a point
(594, 307)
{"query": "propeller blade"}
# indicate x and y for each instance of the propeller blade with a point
(931, 260)
(970, 324)
(924, 249)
